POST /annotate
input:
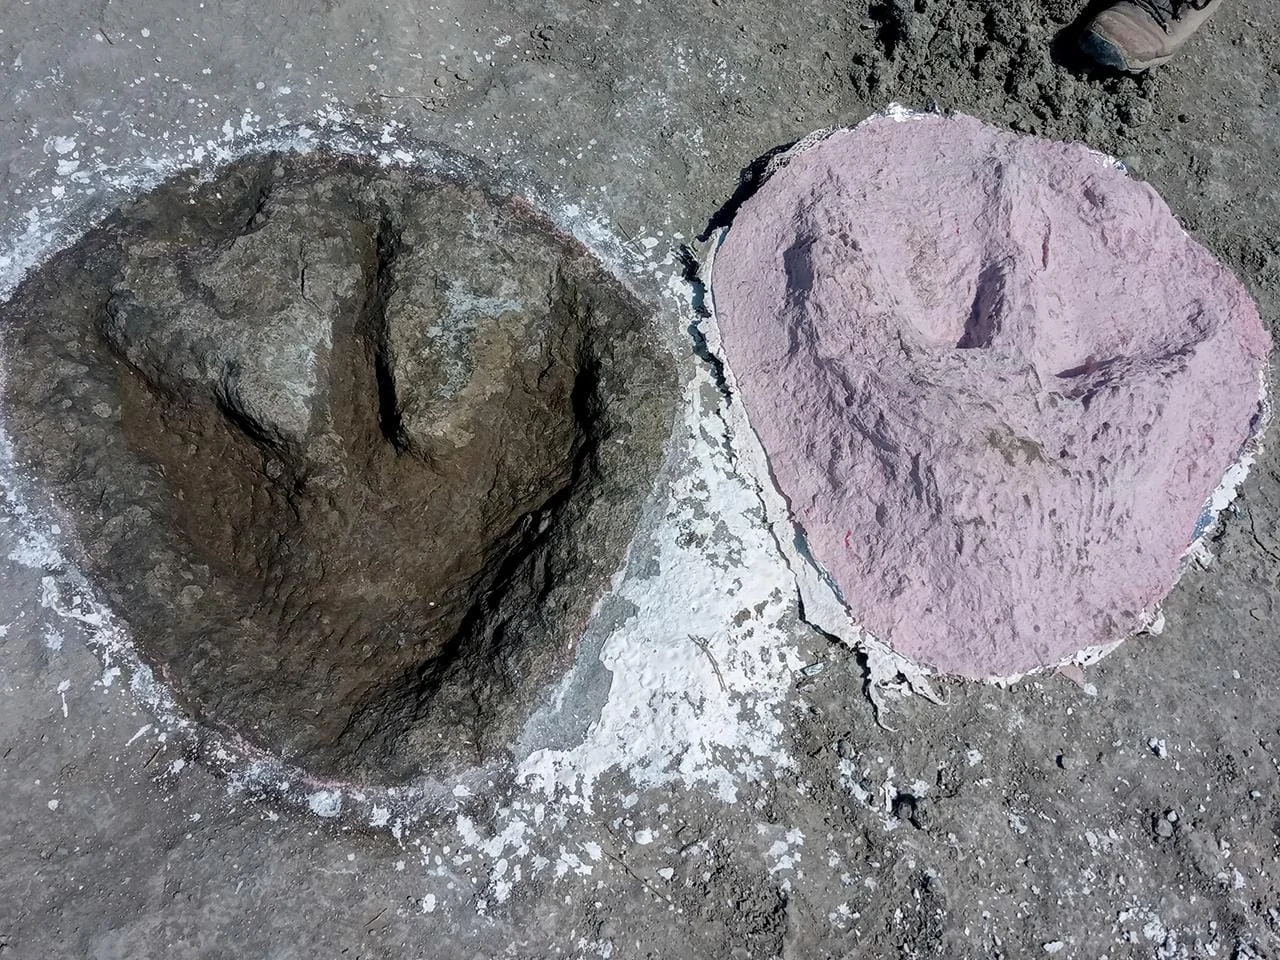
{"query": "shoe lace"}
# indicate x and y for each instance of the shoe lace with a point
(1163, 12)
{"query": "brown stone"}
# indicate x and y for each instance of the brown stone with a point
(352, 451)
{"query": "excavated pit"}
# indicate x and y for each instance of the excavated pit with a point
(353, 450)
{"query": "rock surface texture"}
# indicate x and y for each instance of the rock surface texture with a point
(994, 379)
(353, 451)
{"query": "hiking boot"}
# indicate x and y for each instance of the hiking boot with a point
(1136, 35)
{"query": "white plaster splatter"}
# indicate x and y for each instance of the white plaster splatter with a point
(325, 803)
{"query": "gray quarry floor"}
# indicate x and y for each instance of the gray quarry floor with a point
(1039, 820)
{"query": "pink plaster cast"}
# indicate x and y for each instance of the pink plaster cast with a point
(994, 379)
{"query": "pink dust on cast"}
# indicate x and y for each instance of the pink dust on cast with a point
(994, 379)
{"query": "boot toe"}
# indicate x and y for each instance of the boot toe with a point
(1101, 50)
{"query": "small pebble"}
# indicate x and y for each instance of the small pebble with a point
(904, 806)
